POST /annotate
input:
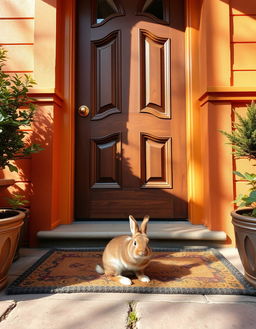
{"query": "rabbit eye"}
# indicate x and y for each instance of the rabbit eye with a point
(134, 243)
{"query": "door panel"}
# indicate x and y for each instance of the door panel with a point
(131, 149)
(105, 162)
(106, 88)
(155, 74)
(156, 162)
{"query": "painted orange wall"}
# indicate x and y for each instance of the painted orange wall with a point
(243, 52)
(227, 72)
(243, 42)
(220, 69)
(17, 36)
(30, 39)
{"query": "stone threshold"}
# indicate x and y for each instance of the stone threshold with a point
(157, 230)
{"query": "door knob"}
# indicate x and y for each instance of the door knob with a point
(83, 111)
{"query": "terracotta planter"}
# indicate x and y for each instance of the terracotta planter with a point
(10, 225)
(23, 232)
(245, 232)
(5, 182)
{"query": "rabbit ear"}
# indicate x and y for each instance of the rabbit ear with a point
(144, 224)
(133, 225)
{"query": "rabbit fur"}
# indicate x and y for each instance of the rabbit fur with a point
(127, 253)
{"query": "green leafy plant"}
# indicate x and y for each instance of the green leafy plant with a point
(243, 141)
(243, 137)
(248, 200)
(16, 112)
(17, 201)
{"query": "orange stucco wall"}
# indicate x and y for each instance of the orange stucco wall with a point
(17, 36)
(243, 42)
(227, 71)
(28, 32)
(243, 69)
(221, 66)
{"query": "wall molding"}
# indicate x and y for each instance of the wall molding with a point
(228, 94)
(46, 97)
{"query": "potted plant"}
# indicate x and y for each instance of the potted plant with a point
(243, 140)
(16, 111)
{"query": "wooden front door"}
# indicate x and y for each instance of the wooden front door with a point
(131, 147)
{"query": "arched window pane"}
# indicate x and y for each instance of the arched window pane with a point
(154, 7)
(104, 9)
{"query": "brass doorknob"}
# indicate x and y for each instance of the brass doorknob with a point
(83, 111)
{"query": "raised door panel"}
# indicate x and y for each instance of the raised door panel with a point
(106, 77)
(156, 161)
(106, 162)
(155, 75)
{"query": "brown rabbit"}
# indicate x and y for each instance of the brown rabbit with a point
(126, 253)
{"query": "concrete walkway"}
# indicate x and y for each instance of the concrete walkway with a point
(111, 311)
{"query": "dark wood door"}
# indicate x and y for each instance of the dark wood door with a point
(131, 148)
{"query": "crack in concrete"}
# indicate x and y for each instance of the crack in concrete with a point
(132, 317)
(8, 311)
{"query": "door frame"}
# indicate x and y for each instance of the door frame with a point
(65, 74)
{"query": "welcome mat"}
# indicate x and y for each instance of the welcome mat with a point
(172, 271)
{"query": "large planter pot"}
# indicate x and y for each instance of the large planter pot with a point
(23, 232)
(245, 232)
(11, 222)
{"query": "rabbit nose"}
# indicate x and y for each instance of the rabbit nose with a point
(142, 253)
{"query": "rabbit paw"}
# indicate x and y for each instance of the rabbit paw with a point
(125, 281)
(144, 278)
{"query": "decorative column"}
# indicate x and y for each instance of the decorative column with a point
(216, 109)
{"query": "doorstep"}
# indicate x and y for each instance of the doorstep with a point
(161, 234)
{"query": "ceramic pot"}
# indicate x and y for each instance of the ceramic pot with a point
(23, 233)
(11, 222)
(245, 232)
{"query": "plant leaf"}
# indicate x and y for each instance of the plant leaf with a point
(237, 173)
(12, 167)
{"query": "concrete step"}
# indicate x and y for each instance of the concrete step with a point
(161, 234)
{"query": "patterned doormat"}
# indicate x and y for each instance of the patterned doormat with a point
(172, 271)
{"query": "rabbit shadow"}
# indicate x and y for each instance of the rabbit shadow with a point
(169, 268)
(158, 271)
